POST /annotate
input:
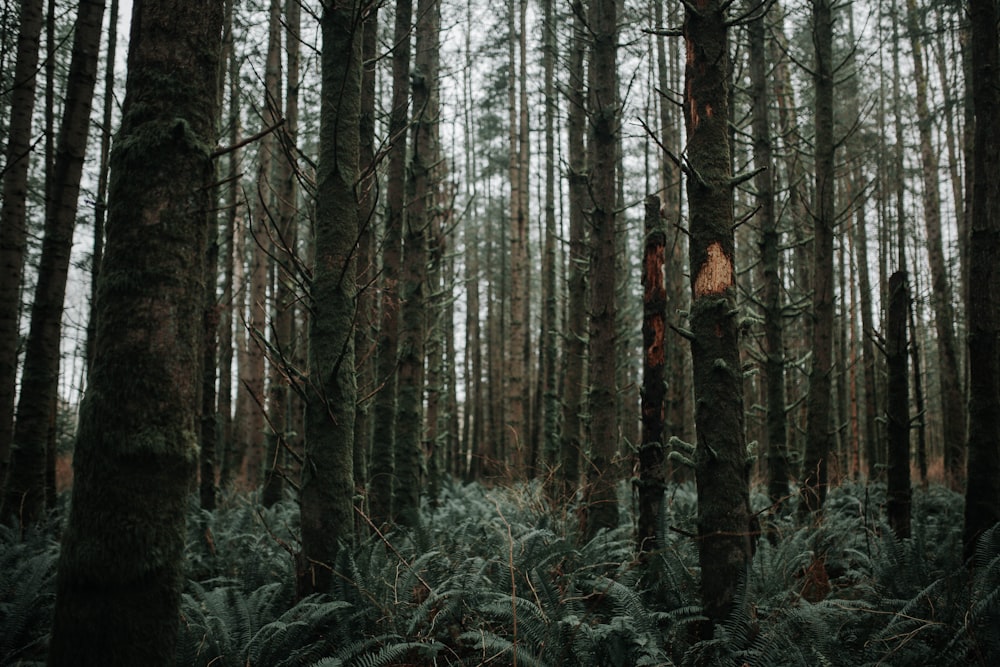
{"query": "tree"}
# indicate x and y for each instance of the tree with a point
(898, 407)
(774, 346)
(652, 464)
(327, 488)
(13, 215)
(576, 280)
(601, 497)
(24, 496)
(982, 503)
(818, 436)
(952, 413)
(721, 465)
(120, 568)
(422, 188)
(382, 477)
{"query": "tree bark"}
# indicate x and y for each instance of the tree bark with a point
(898, 408)
(601, 501)
(818, 435)
(327, 487)
(576, 282)
(652, 468)
(774, 367)
(13, 216)
(382, 476)
(982, 503)
(25, 492)
(121, 565)
(721, 466)
(952, 410)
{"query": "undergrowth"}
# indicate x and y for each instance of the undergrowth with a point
(495, 577)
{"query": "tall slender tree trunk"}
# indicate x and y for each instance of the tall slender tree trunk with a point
(423, 190)
(25, 493)
(774, 367)
(602, 468)
(230, 300)
(952, 412)
(285, 265)
(982, 503)
(818, 436)
(365, 331)
(898, 410)
(327, 487)
(13, 215)
(721, 466)
(118, 591)
(576, 282)
(549, 343)
(382, 477)
(651, 459)
(517, 365)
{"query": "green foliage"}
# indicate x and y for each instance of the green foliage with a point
(495, 575)
(27, 593)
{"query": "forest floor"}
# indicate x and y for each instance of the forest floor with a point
(495, 576)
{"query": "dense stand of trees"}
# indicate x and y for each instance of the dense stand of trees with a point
(355, 249)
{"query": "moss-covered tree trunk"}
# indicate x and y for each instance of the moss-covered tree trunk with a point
(819, 437)
(601, 498)
(24, 496)
(422, 188)
(576, 280)
(721, 468)
(327, 488)
(13, 230)
(770, 240)
(382, 476)
(898, 407)
(982, 502)
(120, 569)
(652, 470)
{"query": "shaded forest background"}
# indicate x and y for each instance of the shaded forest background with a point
(663, 288)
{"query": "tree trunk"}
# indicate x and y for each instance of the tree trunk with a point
(25, 492)
(601, 501)
(818, 435)
(721, 466)
(576, 282)
(898, 410)
(327, 488)
(982, 503)
(13, 220)
(422, 188)
(774, 367)
(365, 331)
(118, 591)
(652, 468)
(952, 411)
(382, 476)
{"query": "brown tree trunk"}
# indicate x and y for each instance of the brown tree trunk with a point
(652, 470)
(24, 496)
(382, 476)
(601, 500)
(721, 466)
(818, 435)
(13, 220)
(774, 367)
(576, 282)
(118, 590)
